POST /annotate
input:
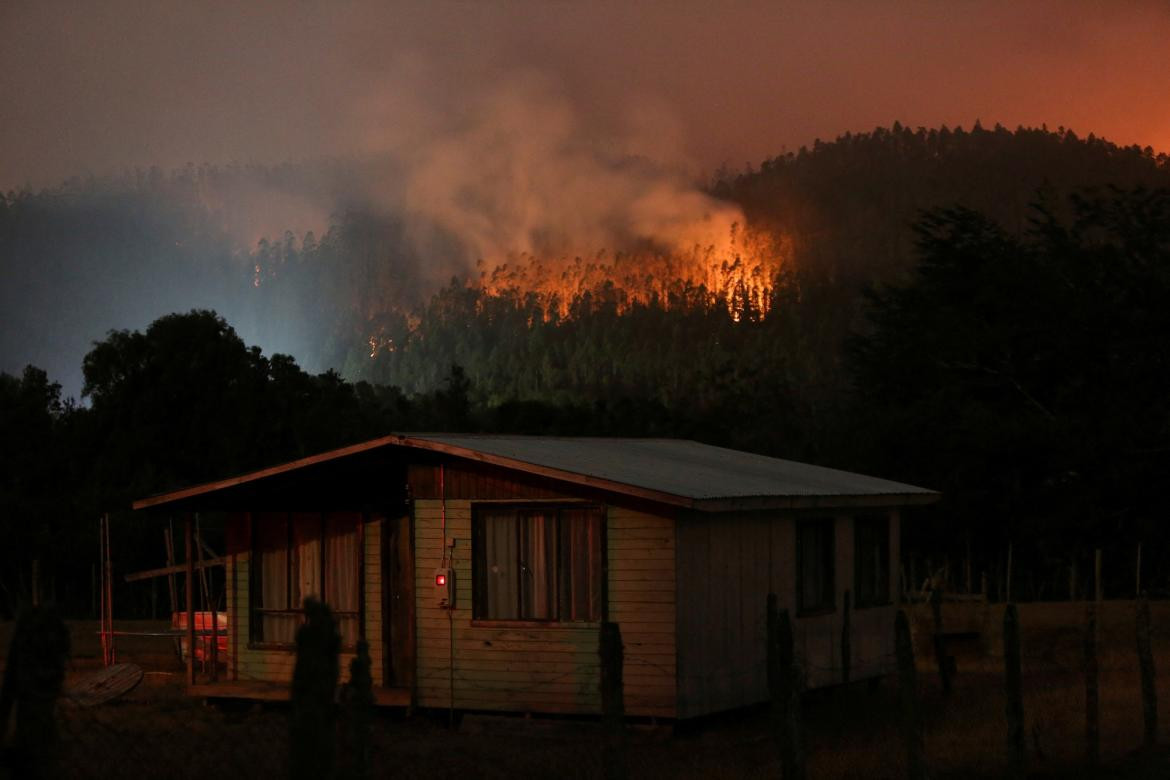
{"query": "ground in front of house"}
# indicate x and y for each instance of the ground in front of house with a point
(851, 732)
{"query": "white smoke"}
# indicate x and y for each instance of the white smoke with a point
(519, 167)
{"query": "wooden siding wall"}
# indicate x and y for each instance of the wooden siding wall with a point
(276, 664)
(372, 582)
(554, 668)
(478, 481)
(642, 601)
(727, 565)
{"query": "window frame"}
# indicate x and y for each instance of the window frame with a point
(478, 564)
(255, 580)
(828, 524)
(885, 600)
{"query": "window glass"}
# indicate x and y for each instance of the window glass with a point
(537, 563)
(272, 622)
(500, 554)
(342, 559)
(871, 560)
(580, 581)
(815, 586)
(306, 557)
(301, 556)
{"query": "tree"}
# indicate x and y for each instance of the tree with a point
(1024, 375)
(35, 480)
(187, 401)
(182, 402)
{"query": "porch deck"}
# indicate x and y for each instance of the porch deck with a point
(268, 691)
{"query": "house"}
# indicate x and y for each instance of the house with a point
(534, 541)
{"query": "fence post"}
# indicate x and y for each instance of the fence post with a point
(940, 650)
(213, 649)
(189, 594)
(1138, 574)
(1013, 689)
(1092, 691)
(1008, 582)
(314, 686)
(908, 697)
(613, 707)
(359, 706)
(846, 639)
(1098, 588)
(784, 689)
(1146, 661)
(33, 676)
(967, 565)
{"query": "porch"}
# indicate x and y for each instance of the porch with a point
(260, 690)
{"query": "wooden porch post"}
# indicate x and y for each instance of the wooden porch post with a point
(189, 538)
(361, 573)
(211, 606)
(214, 649)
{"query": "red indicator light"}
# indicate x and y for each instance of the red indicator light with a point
(440, 580)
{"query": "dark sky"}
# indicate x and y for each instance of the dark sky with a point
(96, 86)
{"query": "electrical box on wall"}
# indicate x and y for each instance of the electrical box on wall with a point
(445, 587)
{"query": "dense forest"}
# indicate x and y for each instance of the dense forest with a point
(979, 311)
(95, 254)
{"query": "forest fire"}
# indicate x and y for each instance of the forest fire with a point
(738, 273)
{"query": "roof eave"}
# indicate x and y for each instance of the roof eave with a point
(412, 442)
(253, 476)
(759, 503)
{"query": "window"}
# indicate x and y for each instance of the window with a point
(298, 556)
(537, 563)
(871, 560)
(815, 585)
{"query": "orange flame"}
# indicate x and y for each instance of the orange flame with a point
(739, 274)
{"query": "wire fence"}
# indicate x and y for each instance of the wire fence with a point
(158, 731)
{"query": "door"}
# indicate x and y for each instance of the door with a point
(397, 602)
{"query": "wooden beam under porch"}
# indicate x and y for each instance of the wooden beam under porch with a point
(270, 691)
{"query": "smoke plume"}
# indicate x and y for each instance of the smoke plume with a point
(524, 170)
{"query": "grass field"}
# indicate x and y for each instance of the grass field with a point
(851, 731)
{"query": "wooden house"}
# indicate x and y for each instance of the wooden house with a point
(536, 541)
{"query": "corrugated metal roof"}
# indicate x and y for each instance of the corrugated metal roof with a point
(671, 471)
(677, 467)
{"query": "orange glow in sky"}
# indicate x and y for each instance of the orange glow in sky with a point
(95, 87)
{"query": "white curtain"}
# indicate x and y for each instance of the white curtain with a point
(541, 564)
(341, 572)
(271, 532)
(306, 558)
(501, 577)
(538, 565)
(290, 561)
